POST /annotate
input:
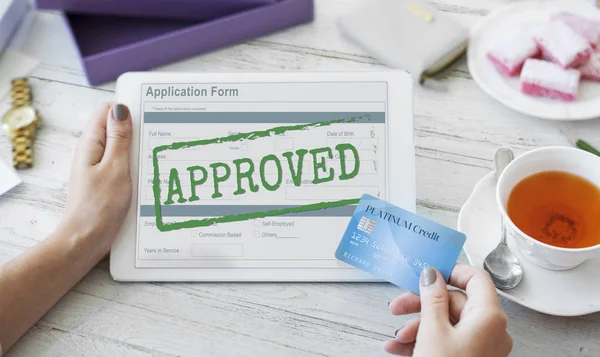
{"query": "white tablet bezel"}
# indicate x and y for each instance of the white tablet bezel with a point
(401, 172)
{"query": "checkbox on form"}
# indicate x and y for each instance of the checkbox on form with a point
(256, 223)
(256, 234)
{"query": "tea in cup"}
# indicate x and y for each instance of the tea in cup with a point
(550, 201)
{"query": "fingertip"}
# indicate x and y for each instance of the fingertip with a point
(428, 276)
(119, 133)
(97, 122)
(99, 114)
(431, 280)
(102, 111)
(407, 303)
(396, 348)
(388, 345)
(476, 282)
(120, 112)
(408, 332)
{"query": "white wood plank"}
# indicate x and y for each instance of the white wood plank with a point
(51, 340)
(221, 319)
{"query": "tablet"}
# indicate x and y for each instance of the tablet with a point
(255, 176)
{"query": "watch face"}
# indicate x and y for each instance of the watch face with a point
(17, 118)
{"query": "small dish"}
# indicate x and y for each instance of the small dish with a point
(571, 292)
(506, 90)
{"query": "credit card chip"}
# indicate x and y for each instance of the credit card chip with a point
(366, 225)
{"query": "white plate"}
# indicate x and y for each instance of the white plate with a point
(562, 293)
(506, 89)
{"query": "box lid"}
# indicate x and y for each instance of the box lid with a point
(174, 9)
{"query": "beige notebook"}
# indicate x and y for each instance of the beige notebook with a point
(406, 34)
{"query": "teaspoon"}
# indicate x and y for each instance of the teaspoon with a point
(502, 264)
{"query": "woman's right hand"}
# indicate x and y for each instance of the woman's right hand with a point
(453, 323)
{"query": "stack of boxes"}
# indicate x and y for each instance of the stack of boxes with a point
(118, 36)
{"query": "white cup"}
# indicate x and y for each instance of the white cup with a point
(554, 158)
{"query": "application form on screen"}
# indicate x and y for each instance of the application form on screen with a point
(246, 175)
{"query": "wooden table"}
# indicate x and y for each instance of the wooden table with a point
(456, 134)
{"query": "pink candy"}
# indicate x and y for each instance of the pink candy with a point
(546, 79)
(588, 29)
(591, 70)
(509, 55)
(551, 57)
(562, 45)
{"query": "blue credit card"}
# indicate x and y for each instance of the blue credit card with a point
(395, 245)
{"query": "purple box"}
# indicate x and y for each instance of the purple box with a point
(12, 13)
(112, 45)
(175, 9)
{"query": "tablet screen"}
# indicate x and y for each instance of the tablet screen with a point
(247, 175)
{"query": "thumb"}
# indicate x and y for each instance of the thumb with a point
(118, 134)
(434, 300)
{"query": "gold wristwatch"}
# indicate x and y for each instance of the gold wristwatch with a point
(20, 123)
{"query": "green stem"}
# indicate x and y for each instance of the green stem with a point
(587, 147)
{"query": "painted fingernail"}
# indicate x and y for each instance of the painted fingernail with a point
(120, 112)
(389, 303)
(398, 330)
(428, 276)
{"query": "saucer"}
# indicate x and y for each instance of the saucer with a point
(571, 292)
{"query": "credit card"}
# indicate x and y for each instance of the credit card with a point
(395, 245)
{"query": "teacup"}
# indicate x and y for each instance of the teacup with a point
(556, 158)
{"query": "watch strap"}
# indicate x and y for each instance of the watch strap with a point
(20, 92)
(22, 140)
